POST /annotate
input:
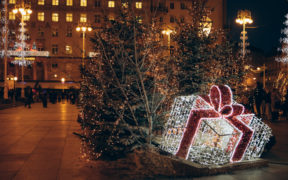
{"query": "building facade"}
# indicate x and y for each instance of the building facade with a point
(52, 27)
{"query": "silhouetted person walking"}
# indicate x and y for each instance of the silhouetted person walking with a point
(44, 98)
(28, 96)
(259, 95)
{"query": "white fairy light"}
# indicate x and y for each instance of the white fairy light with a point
(216, 138)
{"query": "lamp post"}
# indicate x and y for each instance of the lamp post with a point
(243, 18)
(14, 90)
(23, 11)
(63, 82)
(83, 28)
(5, 95)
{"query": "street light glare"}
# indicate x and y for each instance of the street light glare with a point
(78, 29)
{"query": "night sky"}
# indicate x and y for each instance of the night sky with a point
(268, 17)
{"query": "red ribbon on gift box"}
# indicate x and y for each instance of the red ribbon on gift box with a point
(220, 101)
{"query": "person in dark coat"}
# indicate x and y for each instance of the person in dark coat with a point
(285, 106)
(259, 96)
(44, 98)
(28, 96)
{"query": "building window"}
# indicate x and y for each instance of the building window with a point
(161, 19)
(69, 2)
(172, 19)
(55, 17)
(182, 5)
(69, 32)
(55, 33)
(41, 2)
(182, 19)
(12, 16)
(111, 18)
(54, 49)
(26, 17)
(68, 49)
(97, 3)
(40, 32)
(139, 19)
(125, 5)
(69, 17)
(40, 16)
(12, 1)
(55, 2)
(54, 65)
(97, 19)
(138, 5)
(83, 3)
(111, 4)
(83, 17)
(171, 5)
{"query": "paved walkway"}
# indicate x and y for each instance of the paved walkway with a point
(38, 143)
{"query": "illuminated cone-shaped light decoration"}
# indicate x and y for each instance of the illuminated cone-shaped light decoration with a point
(213, 129)
(284, 50)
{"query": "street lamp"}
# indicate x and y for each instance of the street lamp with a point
(168, 33)
(243, 18)
(23, 10)
(14, 98)
(83, 28)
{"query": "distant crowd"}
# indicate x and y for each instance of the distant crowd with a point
(53, 96)
(268, 104)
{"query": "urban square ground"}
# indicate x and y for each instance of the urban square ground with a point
(39, 143)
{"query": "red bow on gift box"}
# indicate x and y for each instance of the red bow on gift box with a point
(220, 101)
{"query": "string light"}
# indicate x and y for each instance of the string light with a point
(221, 136)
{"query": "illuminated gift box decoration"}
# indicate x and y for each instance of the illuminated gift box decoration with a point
(213, 129)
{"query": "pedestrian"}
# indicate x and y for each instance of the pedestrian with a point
(268, 109)
(44, 98)
(285, 106)
(275, 104)
(28, 96)
(259, 95)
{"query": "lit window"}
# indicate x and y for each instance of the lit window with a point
(26, 17)
(111, 4)
(55, 2)
(41, 2)
(139, 5)
(139, 19)
(54, 49)
(68, 49)
(40, 16)
(125, 5)
(55, 33)
(12, 16)
(83, 2)
(83, 17)
(206, 25)
(12, 1)
(69, 17)
(111, 18)
(55, 17)
(69, 2)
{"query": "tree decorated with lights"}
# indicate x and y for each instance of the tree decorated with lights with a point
(205, 57)
(284, 50)
(282, 81)
(125, 89)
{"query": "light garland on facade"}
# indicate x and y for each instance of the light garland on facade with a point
(213, 130)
